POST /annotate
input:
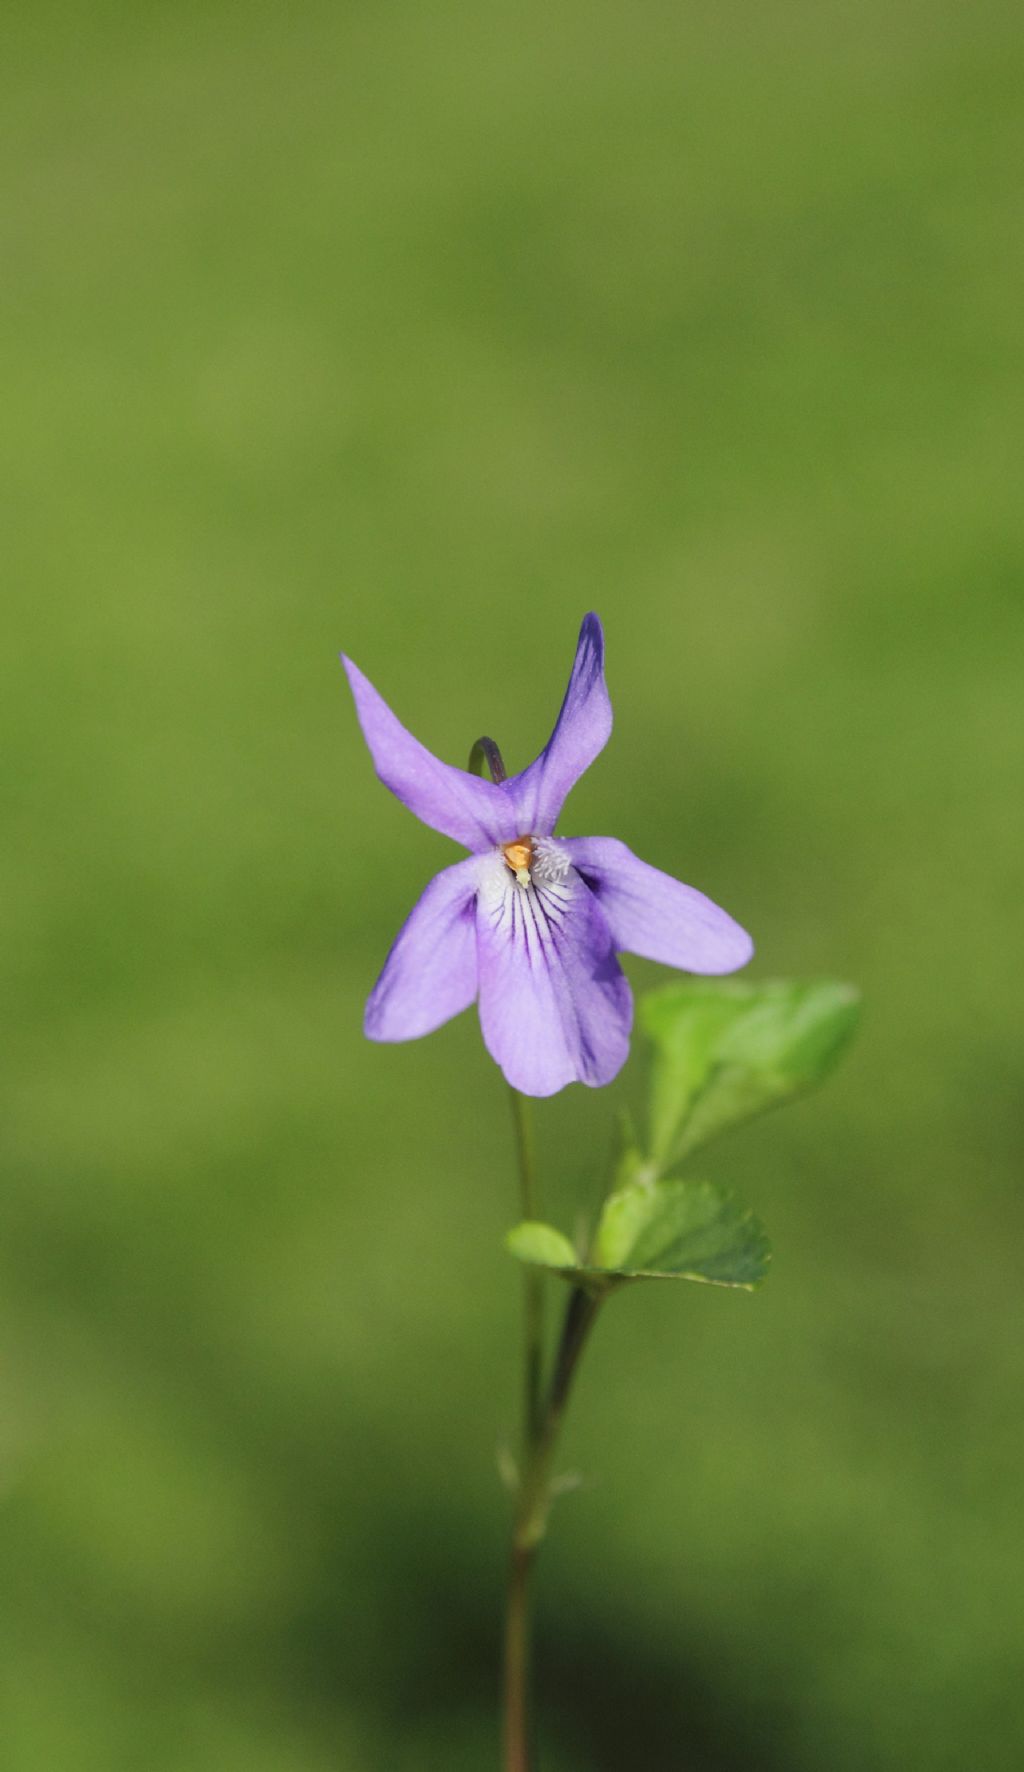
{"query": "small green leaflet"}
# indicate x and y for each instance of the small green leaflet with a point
(671, 1230)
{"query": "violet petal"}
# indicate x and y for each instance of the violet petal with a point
(555, 1007)
(465, 807)
(651, 914)
(581, 733)
(431, 972)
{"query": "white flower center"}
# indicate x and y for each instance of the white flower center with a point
(535, 858)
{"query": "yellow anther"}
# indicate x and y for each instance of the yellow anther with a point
(519, 858)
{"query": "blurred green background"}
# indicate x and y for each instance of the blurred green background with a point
(420, 331)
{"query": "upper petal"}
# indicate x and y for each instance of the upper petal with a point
(580, 734)
(655, 916)
(555, 1007)
(466, 807)
(431, 972)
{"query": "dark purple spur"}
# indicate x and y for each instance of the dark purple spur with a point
(530, 924)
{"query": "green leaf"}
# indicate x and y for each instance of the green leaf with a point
(725, 1050)
(687, 1230)
(541, 1245)
(673, 1230)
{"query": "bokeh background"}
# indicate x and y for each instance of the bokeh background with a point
(421, 331)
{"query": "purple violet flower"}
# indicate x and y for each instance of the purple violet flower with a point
(531, 923)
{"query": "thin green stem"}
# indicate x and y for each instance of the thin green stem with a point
(517, 1754)
(516, 1720)
(533, 1504)
(534, 1495)
(533, 1279)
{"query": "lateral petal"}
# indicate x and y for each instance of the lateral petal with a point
(581, 733)
(555, 1007)
(651, 914)
(469, 809)
(431, 972)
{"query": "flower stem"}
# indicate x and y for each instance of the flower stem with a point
(517, 1755)
(533, 1503)
(517, 1616)
(533, 1279)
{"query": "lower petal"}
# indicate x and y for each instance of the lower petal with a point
(555, 1007)
(652, 915)
(431, 972)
